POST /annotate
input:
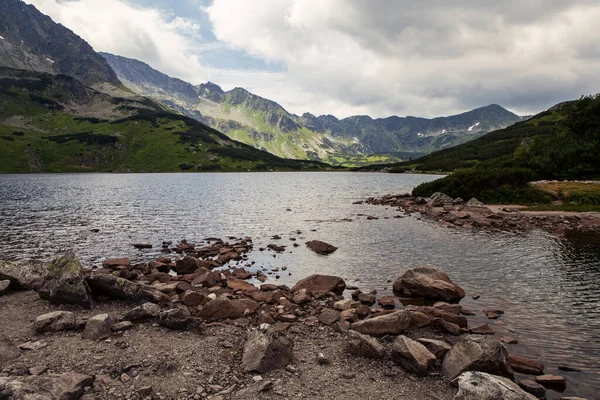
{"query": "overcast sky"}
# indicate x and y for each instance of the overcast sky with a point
(346, 57)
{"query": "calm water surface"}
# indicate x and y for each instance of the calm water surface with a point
(549, 288)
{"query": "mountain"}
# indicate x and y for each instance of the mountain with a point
(54, 123)
(265, 124)
(31, 40)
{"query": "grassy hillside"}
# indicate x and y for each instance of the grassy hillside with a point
(55, 124)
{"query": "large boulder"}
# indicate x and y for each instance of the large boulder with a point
(473, 385)
(98, 327)
(320, 247)
(438, 199)
(64, 282)
(68, 386)
(412, 356)
(364, 346)
(477, 353)
(22, 276)
(393, 323)
(430, 282)
(319, 284)
(54, 322)
(265, 352)
(123, 289)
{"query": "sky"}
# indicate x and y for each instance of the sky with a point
(348, 57)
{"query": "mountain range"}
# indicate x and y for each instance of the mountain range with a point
(266, 125)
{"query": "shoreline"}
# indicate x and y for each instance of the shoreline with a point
(190, 339)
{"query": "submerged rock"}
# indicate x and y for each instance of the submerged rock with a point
(320, 247)
(430, 282)
(477, 353)
(319, 284)
(64, 282)
(474, 385)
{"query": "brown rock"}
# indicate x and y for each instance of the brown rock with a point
(217, 309)
(555, 381)
(98, 327)
(387, 302)
(508, 339)
(440, 325)
(412, 356)
(362, 311)
(367, 298)
(390, 324)
(532, 387)
(493, 314)
(145, 311)
(320, 247)
(448, 308)
(329, 316)
(112, 263)
(319, 284)
(8, 352)
(526, 365)
(342, 305)
(430, 282)
(364, 346)
(477, 353)
(288, 318)
(483, 329)
(437, 347)
(194, 299)
(122, 326)
(240, 285)
(35, 371)
(348, 315)
(142, 246)
(243, 307)
(4, 287)
(54, 321)
(205, 277)
(456, 319)
(264, 352)
(419, 319)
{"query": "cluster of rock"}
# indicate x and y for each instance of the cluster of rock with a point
(472, 214)
(188, 294)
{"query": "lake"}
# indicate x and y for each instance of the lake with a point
(548, 287)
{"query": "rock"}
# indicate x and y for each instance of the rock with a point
(456, 319)
(474, 203)
(243, 307)
(483, 329)
(240, 285)
(320, 247)
(555, 381)
(217, 309)
(54, 322)
(367, 298)
(329, 316)
(319, 284)
(122, 289)
(35, 371)
(266, 352)
(493, 314)
(116, 262)
(122, 326)
(477, 353)
(194, 299)
(288, 318)
(438, 199)
(438, 324)
(448, 308)
(419, 319)
(22, 276)
(526, 365)
(68, 386)
(33, 346)
(362, 311)
(4, 287)
(322, 359)
(412, 356)
(387, 302)
(301, 297)
(8, 353)
(348, 314)
(145, 391)
(532, 387)
(437, 347)
(342, 305)
(98, 327)
(430, 282)
(508, 339)
(205, 277)
(390, 324)
(473, 385)
(175, 319)
(364, 346)
(253, 391)
(145, 311)
(64, 282)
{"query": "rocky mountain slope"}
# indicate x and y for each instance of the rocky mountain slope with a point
(54, 123)
(31, 40)
(264, 124)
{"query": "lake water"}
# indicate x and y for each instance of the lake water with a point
(549, 287)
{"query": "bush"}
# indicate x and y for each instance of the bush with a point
(490, 185)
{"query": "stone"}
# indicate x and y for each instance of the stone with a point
(288, 318)
(8, 352)
(393, 323)
(508, 339)
(439, 199)
(555, 381)
(320, 284)
(98, 327)
(145, 311)
(243, 307)
(122, 326)
(419, 319)
(430, 282)
(364, 346)
(122, 289)
(301, 297)
(342, 305)
(483, 329)
(448, 308)
(456, 319)
(477, 353)
(362, 311)
(438, 324)
(35, 371)
(526, 365)
(4, 285)
(22, 276)
(493, 314)
(189, 265)
(437, 347)
(320, 247)
(217, 309)
(111, 263)
(412, 356)
(474, 203)
(240, 285)
(388, 302)
(54, 322)
(329, 316)
(145, 391)
(323, 360)
(474, 385)
(33, 346)
(205, 277)
(532, 387)
(68, 386)
(175, 319)
(347, 315)
(266, 352)
(64, 282)
(194, 299)
(367, 298)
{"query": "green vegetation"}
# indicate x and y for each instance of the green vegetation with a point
(562, 143)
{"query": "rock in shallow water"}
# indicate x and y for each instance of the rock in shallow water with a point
(430, 282)
(477, 353)
(320, 247)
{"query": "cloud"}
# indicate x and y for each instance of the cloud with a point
(422, 58)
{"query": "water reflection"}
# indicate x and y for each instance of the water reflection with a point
(549, 288)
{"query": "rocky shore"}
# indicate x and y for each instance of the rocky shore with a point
(192, 325)
(474, 215)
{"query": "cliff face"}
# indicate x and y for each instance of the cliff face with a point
(37, 43)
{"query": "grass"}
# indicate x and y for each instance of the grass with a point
(565, 207)
(568, 188)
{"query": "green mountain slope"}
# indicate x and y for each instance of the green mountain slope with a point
(266, 125)
(54, 123)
